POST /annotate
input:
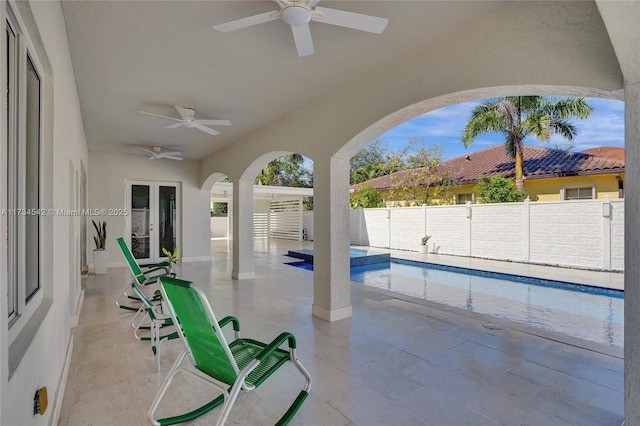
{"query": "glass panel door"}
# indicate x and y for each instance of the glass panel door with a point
(140, 223)
(166, 219)
(154, 219)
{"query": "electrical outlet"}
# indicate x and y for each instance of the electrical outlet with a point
(40, 401)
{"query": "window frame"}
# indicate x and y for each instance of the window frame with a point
(458, 194)
(21, 306)
(563, 192)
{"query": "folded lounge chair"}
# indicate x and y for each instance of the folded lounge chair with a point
(243, 364)
(145, 277)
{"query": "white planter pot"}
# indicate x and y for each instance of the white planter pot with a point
(423, 248)
(100, 259)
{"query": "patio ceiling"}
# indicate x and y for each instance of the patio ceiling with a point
(138, 55)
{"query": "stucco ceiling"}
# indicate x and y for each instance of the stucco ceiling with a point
(142, 55)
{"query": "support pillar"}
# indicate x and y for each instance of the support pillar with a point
(331, 269)
(243, 230)
(632, 255)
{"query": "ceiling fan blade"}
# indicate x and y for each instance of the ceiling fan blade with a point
(302, 37)
(215, 122)
(248, 22)
(158, 115)
(205, 129)
(174, 126)
(171, 154)
(153, 158)
(171, 157)
(357, 21)
(149, 151)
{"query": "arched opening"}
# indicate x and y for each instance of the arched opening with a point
(531, 232)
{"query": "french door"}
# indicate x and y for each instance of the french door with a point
(153, 222)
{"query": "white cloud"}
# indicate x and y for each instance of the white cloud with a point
(445, 126)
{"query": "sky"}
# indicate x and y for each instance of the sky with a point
(444, 127)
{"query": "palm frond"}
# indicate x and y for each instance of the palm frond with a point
(563, 128)
(567, 108)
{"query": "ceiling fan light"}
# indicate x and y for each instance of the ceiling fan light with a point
(296, 15)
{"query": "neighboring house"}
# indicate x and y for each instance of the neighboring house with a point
(550, 174)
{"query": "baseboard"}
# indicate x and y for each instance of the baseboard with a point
(242, 275)
(62, 383)
(195, 259)
(73, 321)
(331, 315)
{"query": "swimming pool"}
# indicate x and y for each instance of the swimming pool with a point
(586, 312)
(581, 311)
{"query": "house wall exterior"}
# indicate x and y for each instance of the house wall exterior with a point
(548, 189)
(585, 234)
(39, 354)
(544, 189)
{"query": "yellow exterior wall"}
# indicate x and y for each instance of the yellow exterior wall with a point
(546, 189)
(549, 189)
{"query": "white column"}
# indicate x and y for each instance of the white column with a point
(331, 280)
(632, 255)
(243, 230)
(621, 21)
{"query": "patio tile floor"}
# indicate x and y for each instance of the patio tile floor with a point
(397, 361)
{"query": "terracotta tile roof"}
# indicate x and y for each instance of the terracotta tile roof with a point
(607, 151)
(539, 162)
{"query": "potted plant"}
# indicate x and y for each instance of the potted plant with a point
(100, 254)
(424, 244)
(172, 258)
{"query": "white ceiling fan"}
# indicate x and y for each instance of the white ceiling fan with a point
(299, 13)
(157, 154)
(187, 119)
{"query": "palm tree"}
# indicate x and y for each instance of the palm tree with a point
(520, 116)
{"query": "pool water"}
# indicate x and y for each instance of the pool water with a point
(581, 311)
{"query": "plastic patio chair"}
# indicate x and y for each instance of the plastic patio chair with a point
(145, 277)
(243, 364)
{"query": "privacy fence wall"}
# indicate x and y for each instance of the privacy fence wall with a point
(578, 233)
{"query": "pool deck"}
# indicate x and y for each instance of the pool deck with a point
(397, 361)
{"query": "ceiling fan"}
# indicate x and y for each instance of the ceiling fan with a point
(157, 154)
(187, 119)
(299, 13)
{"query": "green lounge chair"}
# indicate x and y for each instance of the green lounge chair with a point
(152, 314)
(243, 364)
(149, 276)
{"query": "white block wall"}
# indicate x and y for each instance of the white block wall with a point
(407, 225)
(449, 230)
(497, 231)
(567, 233)
(584, 234)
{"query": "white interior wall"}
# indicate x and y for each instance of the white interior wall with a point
(106, 189)
(44, 359)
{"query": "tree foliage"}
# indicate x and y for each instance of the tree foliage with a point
(497, 189)
(518, 117)
(423, 180)
(368, 163)
(288, 170)
(366, 197)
